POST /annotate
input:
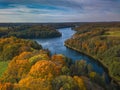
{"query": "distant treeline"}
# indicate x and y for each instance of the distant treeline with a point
(55, 25)
(26, 31)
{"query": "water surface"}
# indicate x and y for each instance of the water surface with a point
(56, 46)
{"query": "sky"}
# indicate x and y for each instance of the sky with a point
(59, 10)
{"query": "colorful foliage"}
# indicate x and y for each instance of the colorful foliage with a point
(35, 84)
(17, 69)
(102, 42)
(80, 82)
(6, 86)
(38, 57)
(64, 83)
(11, 47)
(44, 69)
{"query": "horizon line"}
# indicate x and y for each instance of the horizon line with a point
(62, 22)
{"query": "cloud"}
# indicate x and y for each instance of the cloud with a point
(59, 10)
(21, 13)
(69, 4)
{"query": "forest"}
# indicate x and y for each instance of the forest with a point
(100, 41)
(29, 32)
(30, 67)
(26, 65)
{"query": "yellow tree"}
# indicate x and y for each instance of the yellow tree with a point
(80, 82)
(34, 84)
(17, 69)
(6, 86)
(44, 69)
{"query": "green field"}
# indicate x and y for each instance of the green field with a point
(3, 67)
(113, 33)
(3, 28)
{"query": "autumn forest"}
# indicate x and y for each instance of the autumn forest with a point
(26, 65)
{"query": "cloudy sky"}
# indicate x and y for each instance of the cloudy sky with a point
(59, 10)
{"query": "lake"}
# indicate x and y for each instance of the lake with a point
(56, 46)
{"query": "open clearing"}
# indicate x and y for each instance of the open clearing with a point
(113, 33)
(3, 67)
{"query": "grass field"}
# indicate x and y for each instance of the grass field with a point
(3, 67)
(113, 33)
(3, 28)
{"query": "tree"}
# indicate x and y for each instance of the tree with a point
(6, 86)
(64, 83)
(44, 69)
(38, 57)
(80, 82)
(59, 59)
(11, 47)
(30, 83)
(17, 69)
(65, 70)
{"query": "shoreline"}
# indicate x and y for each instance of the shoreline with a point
(112, 80)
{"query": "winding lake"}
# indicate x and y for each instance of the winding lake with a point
(56, 45)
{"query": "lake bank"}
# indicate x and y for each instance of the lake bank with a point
(112, 79)
(56, 46)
